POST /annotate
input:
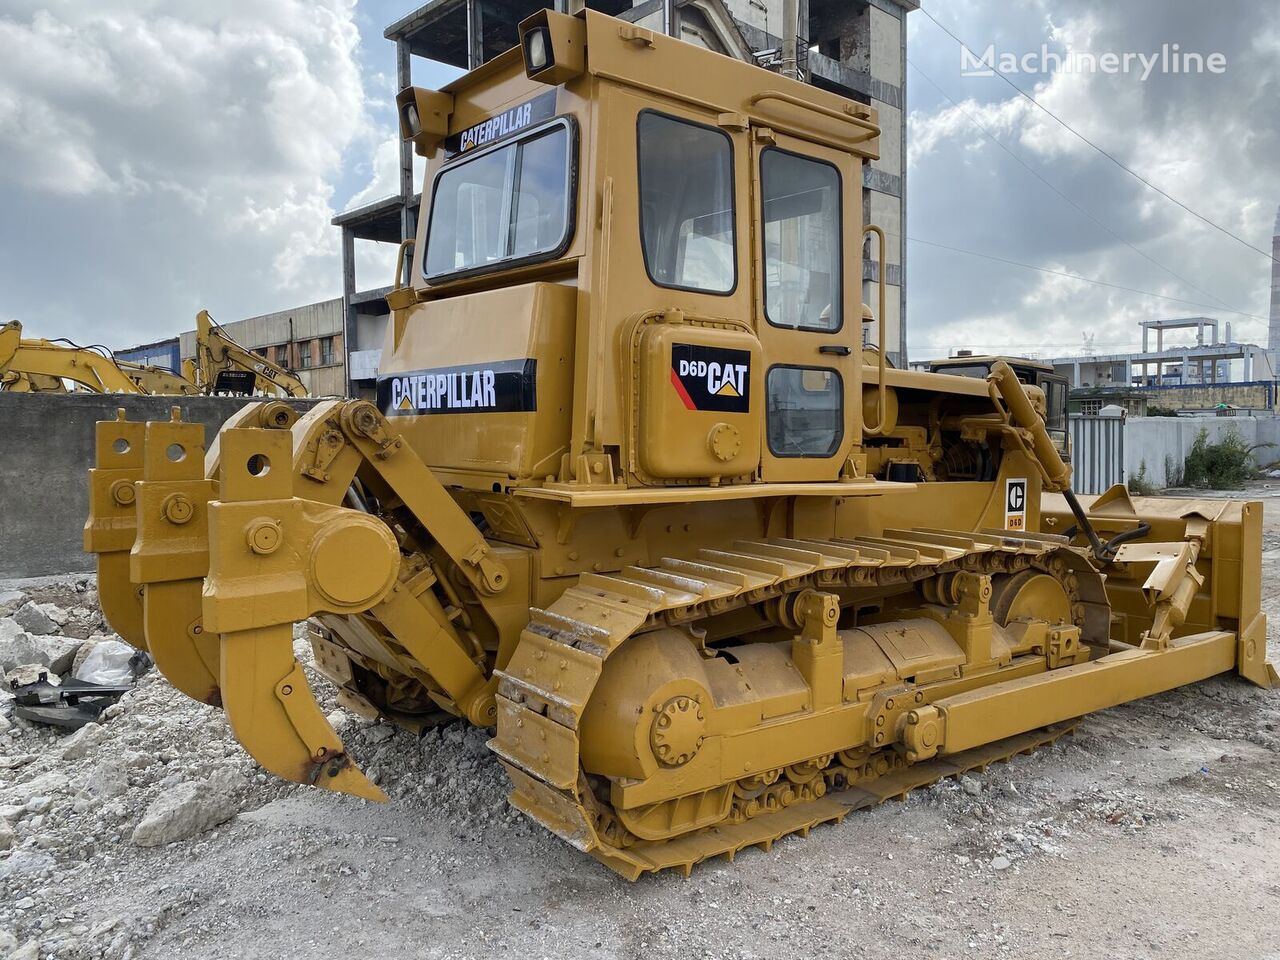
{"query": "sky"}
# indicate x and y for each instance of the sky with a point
(158, 157)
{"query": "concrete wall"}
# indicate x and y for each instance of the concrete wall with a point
(46, 450)
(1153, 441)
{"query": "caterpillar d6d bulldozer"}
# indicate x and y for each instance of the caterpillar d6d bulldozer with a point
(630, 496)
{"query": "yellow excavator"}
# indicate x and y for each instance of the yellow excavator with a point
(221, 367)
(44, 366)
(631, 498)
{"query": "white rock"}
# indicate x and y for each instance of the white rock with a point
(8, 943)
(190, 809)
(108, 779)
(20, 649)
(29, 673)
(28, 951)
(83, 742)
(9, 629)
(11, 600)
(1000, 863)
(56, 613)
(7, 836)
(32, 618)
(60, 651)
(970, 786)
(24, 862)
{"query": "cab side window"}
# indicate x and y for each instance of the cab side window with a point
(801, 203)
(805, 414)
(687, 224)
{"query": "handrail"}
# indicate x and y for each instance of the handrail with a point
(405, 245)
(878, 429)
(870, 129)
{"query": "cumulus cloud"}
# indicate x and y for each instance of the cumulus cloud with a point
(1209, 140)
(157, 157)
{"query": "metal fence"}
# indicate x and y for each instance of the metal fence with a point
(1097, 453)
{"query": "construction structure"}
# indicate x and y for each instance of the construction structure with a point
(855, 48)
(1202, 375)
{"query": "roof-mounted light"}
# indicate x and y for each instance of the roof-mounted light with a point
(554, 46)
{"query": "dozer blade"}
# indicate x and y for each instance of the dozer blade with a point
(183, 652)
(274, 714)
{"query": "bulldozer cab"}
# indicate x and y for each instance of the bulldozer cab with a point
(654, 284)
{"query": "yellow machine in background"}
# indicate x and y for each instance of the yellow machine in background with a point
(43, 366)
(630, 496)
(221, 367)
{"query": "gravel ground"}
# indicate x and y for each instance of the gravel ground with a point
(1153, 832)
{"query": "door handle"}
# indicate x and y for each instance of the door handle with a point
(835, 349)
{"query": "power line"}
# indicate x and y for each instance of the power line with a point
(1076, 276)
(1035, 173)
(1137, 176)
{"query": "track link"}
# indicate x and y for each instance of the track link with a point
(545, 688)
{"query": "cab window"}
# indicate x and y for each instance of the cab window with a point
(801, 204)
(687, 224)
(804, 415)
(509, 204)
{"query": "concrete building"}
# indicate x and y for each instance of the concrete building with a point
(1209, 360)
(306, 340)
(853, 47)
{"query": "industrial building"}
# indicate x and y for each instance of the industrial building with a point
(856, 48)
(1213, 373)
(306, 340)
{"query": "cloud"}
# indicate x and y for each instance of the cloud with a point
(1208, 140)
(157, 157)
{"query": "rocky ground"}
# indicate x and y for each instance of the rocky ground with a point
(1153, 832)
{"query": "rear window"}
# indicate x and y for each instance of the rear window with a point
(510, 204)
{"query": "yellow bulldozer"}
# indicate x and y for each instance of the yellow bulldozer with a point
(630, 496)
(220, 367)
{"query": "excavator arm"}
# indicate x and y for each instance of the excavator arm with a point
(226, 367)
(39, 360)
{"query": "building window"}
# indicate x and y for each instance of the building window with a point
(326, 351)
(282, 355)
(1090, 408)
(805, 411)
(687, 222)
(304, 354)
(801, 241)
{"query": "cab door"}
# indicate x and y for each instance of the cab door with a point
(807, 222)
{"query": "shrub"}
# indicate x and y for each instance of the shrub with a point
(1140, 483)
(1156, 410)
(1224, 465)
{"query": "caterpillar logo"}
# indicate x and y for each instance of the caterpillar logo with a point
(1015, 504)
(711, 378)
(504, 386)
